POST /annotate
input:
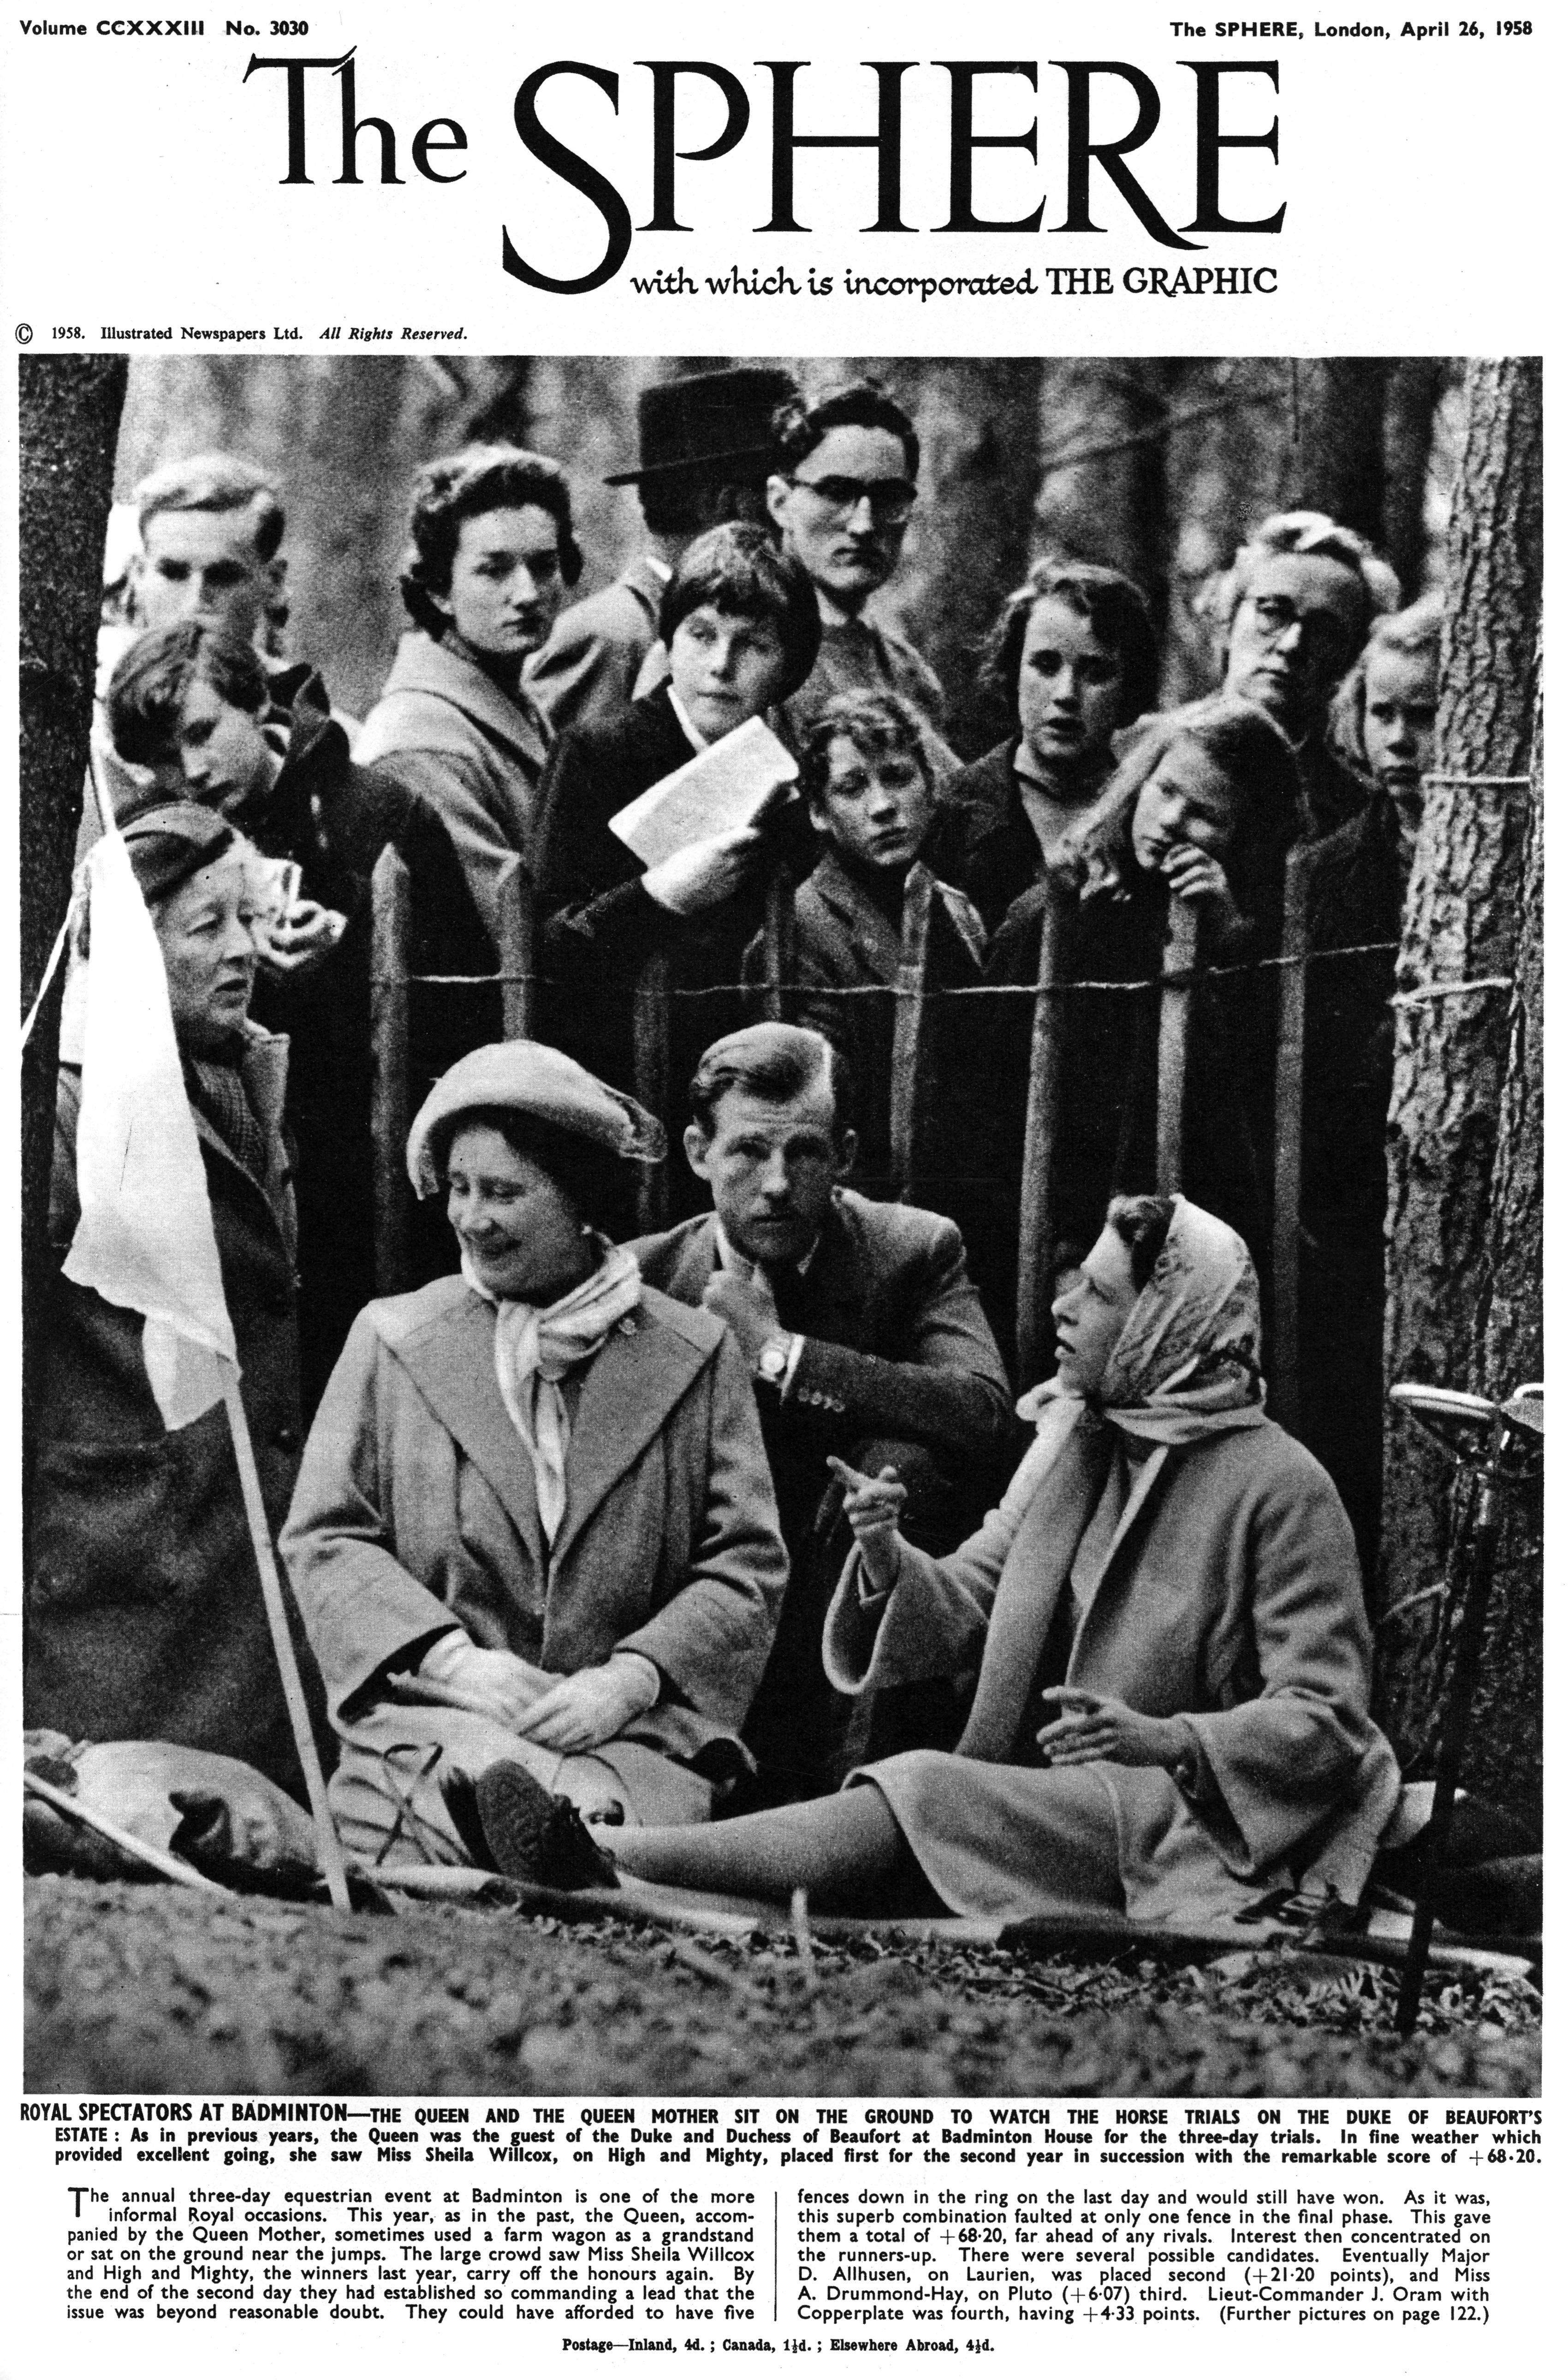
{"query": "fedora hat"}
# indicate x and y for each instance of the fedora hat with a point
(708, 423)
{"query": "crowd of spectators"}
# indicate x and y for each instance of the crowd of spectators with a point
(654, 1532)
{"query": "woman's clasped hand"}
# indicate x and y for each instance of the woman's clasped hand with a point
(1098, 1727)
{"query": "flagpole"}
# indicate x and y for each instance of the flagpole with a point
(283, 1645)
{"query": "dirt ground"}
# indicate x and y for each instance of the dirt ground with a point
(146, 1987)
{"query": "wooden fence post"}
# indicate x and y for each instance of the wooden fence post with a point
(514, 943)
(1037, 1226)
(908, 1022)
(1175, 1018)
(1285, 1364)
(778, 946)
(390, 918)
(650, 1071)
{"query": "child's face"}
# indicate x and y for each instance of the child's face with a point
(725, 669)
(876, 805)
(1070, 689)
(1187, 800)
(224, 755)
(1399, 724)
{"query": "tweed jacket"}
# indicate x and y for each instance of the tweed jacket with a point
(895, 1344)
(416, 1508)
(447, 733)
(1229, 1596)
(588, 669)
(144, 1611)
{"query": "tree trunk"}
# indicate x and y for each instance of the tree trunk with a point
(1453, 1036)
(1102, 464)
(1505, 1760)
(1414, 386)
(970, 542)
(1339, 461)
(69, 415)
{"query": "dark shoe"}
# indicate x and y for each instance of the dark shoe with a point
(535, 1837)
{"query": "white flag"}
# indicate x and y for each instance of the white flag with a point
(145, 1238)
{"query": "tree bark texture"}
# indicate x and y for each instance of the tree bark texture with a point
(1506, 1759)
(68, 417)
(1452, 1046)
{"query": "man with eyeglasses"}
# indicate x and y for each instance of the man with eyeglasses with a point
(1298, 601)
(840, 495)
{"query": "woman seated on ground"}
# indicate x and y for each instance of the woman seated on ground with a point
(145, 1616)
(741, 623)
(534, 1522)
(1202, 810)
(1172, 1716)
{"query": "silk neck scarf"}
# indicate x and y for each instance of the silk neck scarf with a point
(536, 1346)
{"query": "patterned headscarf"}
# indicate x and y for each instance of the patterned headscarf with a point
(1186, 1364)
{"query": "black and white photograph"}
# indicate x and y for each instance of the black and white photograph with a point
(779, 1501)
(782, 1166)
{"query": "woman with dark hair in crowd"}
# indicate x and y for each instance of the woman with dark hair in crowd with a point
(739, 621)
(145, 1616)
(1203, 808)
(1173, 1711)
(534, 1525)
(1073, 656)
(491, 556)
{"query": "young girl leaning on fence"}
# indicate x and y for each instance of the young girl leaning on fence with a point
(1202, 810)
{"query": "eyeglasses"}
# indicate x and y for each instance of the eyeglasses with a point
(891, 501)
(1324, 634)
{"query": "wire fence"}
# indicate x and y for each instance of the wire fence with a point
(915, 995)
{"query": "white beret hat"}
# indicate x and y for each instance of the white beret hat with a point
(536, 1081)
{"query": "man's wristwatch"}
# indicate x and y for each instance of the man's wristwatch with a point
(773, 1364)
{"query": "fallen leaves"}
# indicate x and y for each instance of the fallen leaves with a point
(129, 1985)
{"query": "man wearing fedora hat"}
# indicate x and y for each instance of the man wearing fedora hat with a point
(704, 440)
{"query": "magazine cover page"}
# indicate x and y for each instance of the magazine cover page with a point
(778, 1490)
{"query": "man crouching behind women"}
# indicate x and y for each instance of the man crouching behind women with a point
(534, 1541)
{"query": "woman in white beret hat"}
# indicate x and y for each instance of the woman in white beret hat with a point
(534, 1539)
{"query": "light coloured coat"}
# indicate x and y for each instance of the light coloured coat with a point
(1229, 1596)
(416, 1508)
(448, 734)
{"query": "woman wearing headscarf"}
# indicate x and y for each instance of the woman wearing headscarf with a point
(534, 1527)
(145, 1616)
(1172, 1713)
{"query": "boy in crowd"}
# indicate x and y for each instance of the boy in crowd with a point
(869, 781)
(703, 455)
